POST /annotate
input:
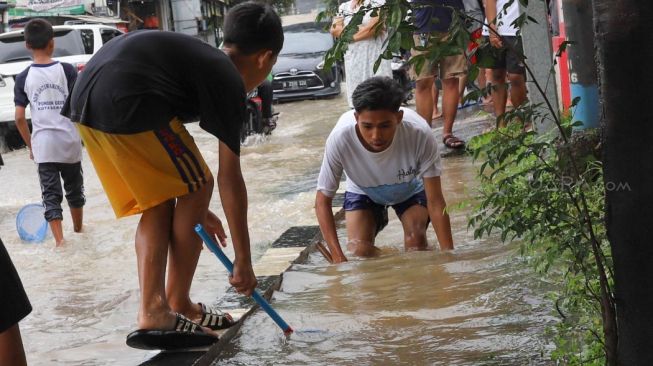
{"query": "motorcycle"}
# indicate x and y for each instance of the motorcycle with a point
(254, 122)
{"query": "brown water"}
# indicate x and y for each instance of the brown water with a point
(477, 305)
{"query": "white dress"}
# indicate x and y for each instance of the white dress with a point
(361, 56)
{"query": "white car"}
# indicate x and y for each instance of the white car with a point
(74, 44)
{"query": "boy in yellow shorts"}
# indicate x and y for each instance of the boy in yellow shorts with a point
(130, 104)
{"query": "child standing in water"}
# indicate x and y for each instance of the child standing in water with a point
(54, 143)
(149, 164)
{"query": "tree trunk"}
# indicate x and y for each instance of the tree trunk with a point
(624, 54)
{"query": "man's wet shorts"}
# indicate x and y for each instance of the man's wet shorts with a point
(502, 58)
(355, 201)
(142, 170)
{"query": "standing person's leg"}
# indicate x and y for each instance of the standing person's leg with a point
(152, 241)
(499, 94)
(517, 89)
(52, 194)
(436, 95)
(73, 184)
(424, 98)
(424, 82)
(14, 306)
(462, 85)
(485, 84)
(450, 97)
(145, 173)
(516, 71)
(489, 84)
(153, 237)
(451, 69)
(185, 249)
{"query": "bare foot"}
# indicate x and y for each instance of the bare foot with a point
(191, 311)
(436, 114)
(157, 320)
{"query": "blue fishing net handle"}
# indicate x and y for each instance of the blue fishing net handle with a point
(260, 300)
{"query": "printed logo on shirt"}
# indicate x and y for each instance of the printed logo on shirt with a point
(51, 102)
(408, 174)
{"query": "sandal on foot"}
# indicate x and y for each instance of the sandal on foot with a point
(452, 142)
(215, 319)
(185, 335)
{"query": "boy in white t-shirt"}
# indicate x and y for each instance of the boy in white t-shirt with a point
(390, 157)
(54, 142)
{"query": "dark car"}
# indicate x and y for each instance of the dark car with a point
(299, 72)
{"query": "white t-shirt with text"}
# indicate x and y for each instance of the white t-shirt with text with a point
(45, 87)
(388, 177)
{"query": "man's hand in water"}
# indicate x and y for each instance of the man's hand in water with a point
(243, 278)
(213, 226)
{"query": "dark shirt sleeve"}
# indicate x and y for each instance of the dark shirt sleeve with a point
(221, 94)
(71, 75)
(20, 97)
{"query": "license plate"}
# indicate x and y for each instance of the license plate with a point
(295, 84)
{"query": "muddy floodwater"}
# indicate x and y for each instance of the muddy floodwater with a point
(479, 305)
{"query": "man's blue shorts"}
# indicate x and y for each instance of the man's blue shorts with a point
(355, 201)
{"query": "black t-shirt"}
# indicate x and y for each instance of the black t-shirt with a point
(141, 80)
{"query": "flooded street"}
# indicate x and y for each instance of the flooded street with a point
(478, 305)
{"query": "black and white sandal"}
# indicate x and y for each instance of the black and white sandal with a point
(185, 336)
(215, 319)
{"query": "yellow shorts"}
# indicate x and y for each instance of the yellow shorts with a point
(140, 171)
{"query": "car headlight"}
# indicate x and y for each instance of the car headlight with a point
(320, 66)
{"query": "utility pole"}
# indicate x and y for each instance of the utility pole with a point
(623, 47)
